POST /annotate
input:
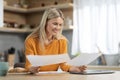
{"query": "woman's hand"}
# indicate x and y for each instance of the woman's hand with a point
(77, 69)
(34, 70)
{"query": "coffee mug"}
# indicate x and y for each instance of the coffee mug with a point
(4, 66)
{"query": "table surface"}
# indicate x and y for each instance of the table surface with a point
(60, 76)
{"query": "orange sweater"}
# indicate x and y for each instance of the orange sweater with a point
(55, 47)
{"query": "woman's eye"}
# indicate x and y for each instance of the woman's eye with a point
(61, 24)
(55, 23)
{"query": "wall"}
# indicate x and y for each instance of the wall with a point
(68, 34)
(8, 40)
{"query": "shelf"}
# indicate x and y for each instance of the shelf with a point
(15, 30)
(38, 9)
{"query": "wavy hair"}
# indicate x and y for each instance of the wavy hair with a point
(40, 31)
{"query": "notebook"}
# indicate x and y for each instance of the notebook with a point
(88, 72)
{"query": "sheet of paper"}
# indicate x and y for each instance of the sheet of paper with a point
(40, 60)
(51, 72)
(83, 59)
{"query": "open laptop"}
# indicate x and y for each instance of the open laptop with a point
(89, 72)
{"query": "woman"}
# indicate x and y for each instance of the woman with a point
(48, 40)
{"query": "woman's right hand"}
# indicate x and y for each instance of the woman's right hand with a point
(77, 68)
(34, 70)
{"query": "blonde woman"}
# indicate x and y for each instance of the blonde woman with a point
(47, 39)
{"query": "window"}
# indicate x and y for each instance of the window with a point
(97, 24)
(1, 13)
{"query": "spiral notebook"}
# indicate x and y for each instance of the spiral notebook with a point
(88, 72)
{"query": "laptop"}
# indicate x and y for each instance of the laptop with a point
(90, 72)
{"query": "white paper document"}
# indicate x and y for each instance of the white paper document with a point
(40, 60)
(51, 72)
(82, 59)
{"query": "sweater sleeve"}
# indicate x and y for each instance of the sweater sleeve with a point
(63, 50)
(28, 51)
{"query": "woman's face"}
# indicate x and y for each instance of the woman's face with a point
(54, 26)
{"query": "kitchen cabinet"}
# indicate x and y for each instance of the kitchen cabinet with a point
(31, 16)
(38, 9)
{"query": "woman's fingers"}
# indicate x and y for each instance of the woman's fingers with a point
(34, 69)
(77, 69)
(82, 68)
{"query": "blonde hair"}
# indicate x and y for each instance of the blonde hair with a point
(40, 31)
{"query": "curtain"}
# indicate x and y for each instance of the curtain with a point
(96, 26)
(1, 13)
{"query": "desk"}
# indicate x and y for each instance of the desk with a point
(104, 67)
(62, 76)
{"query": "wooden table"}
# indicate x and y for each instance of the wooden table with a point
(61, 76)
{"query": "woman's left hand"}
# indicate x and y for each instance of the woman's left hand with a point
(77, 69)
